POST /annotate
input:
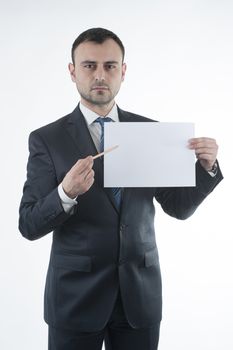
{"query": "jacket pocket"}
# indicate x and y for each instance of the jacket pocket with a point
(72, 262)
(151, 258)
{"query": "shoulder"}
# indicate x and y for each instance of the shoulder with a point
(52, 127)
(133, 117)
(50, 135)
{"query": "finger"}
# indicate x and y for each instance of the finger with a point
(89, 175)
(201, 139)
(83, 164)
(208, 150)
(85, 177)
(89, 183)
(85, 171)
(204, 145)
(202, 142)
(206, 156)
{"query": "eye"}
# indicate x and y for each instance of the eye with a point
(110, 66)
(89, 66)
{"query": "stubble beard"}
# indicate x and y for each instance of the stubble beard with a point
(101, 98)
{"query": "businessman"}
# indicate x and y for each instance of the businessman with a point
(103, 280)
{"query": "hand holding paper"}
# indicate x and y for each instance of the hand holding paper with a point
(206, 150)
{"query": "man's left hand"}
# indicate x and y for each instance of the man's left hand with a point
(206, 150)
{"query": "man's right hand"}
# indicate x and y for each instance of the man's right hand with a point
(79, 178)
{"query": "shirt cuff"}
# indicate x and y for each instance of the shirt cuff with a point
(213, 172)
(67, 202)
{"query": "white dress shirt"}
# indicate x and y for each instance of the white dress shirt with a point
(95, 131)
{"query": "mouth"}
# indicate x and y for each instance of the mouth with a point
(99, 88)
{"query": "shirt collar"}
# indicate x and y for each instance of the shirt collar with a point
(91, 116)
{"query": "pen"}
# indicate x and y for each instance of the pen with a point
(106, 151)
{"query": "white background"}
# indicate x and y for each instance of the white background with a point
(179, 56)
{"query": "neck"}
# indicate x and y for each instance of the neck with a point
(101, 110)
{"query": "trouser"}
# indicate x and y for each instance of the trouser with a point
(117, 335)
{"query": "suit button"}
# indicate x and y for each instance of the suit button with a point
(122, 227)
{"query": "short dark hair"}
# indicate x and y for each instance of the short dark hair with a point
(97, 35)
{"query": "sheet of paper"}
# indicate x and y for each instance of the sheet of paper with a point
(150, 154)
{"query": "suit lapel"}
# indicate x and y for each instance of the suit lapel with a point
(78, 130)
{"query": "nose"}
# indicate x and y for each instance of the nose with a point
(99, 73)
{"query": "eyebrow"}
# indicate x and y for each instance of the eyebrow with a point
(94, 62)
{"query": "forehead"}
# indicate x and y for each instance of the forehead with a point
(109, 50)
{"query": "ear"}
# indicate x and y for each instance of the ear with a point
(72, 72)
(124, 67)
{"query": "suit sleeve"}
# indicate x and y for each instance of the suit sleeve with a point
(181, 202)
(40, 209)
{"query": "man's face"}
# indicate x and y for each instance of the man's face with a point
(98, 71)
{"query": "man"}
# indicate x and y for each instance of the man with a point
(103, 278)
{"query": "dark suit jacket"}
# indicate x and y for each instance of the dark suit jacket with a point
(96, 249)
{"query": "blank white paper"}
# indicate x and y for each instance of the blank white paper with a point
(150, 154)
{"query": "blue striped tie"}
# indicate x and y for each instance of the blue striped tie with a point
(116, 190)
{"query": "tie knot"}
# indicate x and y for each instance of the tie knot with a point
(103, 120)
